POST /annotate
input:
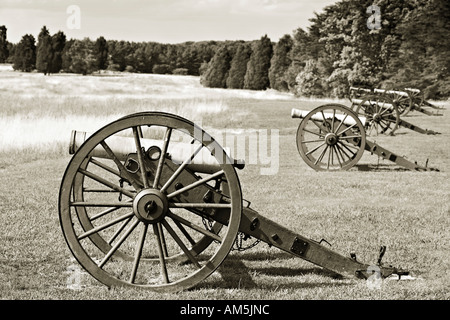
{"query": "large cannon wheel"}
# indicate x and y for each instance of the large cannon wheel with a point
(381, 114)
(81, 191)
(124, 219)
(331, 138)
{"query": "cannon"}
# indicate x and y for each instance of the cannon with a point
(137, 212)
(332, 137)
(410, 99)
(382, 115)
(406, 99)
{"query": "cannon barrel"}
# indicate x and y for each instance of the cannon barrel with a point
(397, 92)
(296, 113)
(179, 151)
(385, 105)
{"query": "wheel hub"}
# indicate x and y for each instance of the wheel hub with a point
(377, 117)
(150, 206)
(331, 139)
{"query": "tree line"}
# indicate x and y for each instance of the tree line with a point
(55, 53)
(339, 49)
(410, 48)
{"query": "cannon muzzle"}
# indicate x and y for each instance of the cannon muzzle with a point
(178, 151)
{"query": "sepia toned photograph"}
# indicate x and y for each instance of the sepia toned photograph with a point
(224, 157)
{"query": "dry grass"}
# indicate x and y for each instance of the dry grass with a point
(356, 210)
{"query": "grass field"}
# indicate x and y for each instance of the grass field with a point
(376, 203)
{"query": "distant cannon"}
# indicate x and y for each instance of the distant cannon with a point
(409, 99)
(332, 137)
(406, 99)
(383, 115)
(134, 215)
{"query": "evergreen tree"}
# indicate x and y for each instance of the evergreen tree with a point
(101, 53)
(238, 66)
(11, 52)
(25, 54)
(257, 75)
(58, 44)
(279, 64)
(4, 52)
(217, 72)
(44, 51)
(80, 58)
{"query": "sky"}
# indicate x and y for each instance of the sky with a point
(164, 21)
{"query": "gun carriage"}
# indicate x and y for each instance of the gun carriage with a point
(406, 99)
(332, 137)
(152, 201)
(382, 115)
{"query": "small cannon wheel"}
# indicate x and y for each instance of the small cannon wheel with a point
(381, 114)
(403, 102)
(331, 138)
(417, 99)
(123, 221)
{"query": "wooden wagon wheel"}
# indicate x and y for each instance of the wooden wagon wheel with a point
(417, 98)
(125, 220)
(400, 98)
(86, 216)
(331, 138)
(381, 114)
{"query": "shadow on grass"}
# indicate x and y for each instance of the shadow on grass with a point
(236, 275)
(379, 168)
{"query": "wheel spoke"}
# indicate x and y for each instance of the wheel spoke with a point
(337, 156)
(329, 157)
(162, 157)
(309, 141)
(340, 124)
(315, 133)
(319, 159)
(101, 204)
(348, 149)
(194, 227)
(137, 257)
(162, 261)
(343, 151)
(346, 129)
(106, 183)
(316, 148)
(195, 184)
(101, 214)
(122, 169)
(180, 169)
(104, 226)
(140, 156)
(163, 240)
(104, 166)
(118, 244)
(181, 244)
(332, 121)
(321, 127)
(200, 205)
(184, 231)
(119, 230)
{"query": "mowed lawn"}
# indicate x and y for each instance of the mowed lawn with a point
(375, 203)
